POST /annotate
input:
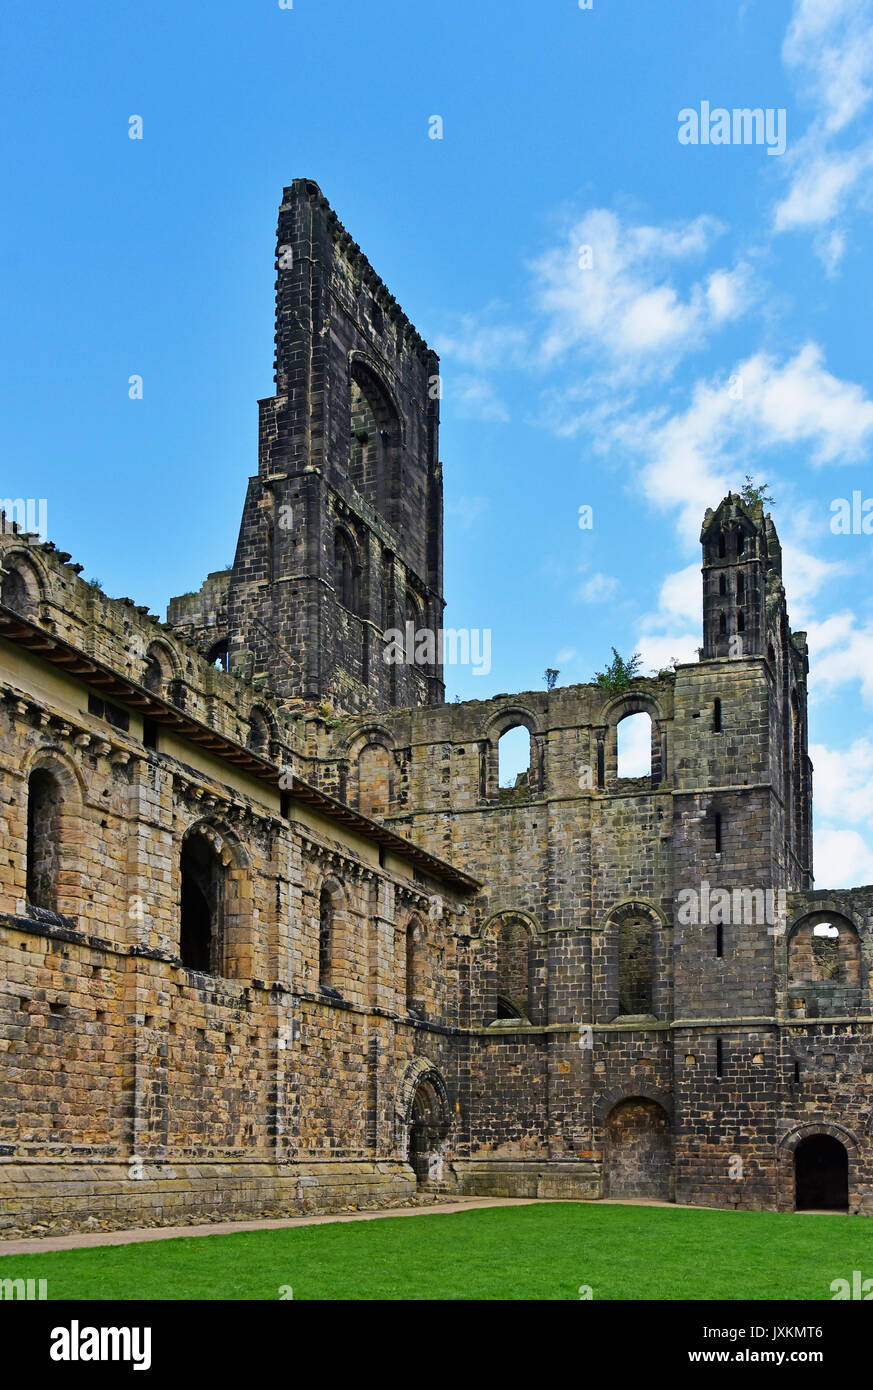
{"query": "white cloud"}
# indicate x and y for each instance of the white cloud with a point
(830, 247)
(598, 588)
(821, 186)
(804, 574)
(609, 287)
(843, 781)
(828, 49)
(673, 631)
(841, 859)
(689, 458)
(841, 653)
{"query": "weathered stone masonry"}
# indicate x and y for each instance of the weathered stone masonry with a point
(274, 938)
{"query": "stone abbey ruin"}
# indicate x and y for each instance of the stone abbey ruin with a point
(273, 936)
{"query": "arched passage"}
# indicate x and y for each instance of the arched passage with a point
(821, 1174)
(639, 1150)
(427, 1128)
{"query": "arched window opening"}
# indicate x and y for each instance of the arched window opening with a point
(331, 936)
(722, 546)
(797, 770)
(258, 739)
(512, 968)
(200, 937)
(722, 584)
(514, 759)
(153, 676)
(374, 442)
(158, 671)
(387, 591)
(374, 781)
(741, 621)
(415, 963)
(771, 655)
(634, 745)
(507, 1009)
(741, 542)
(635, 964)
(821, 1174)
(345, 571)
(43, 836)
(825, 974)
(219, 655)
(722, 623)
(824, 951)
(413, 611)
(15, 594)
(741, 587)
(325, 938)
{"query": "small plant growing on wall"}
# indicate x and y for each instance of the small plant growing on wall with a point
(619, 673)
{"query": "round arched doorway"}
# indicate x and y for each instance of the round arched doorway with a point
(821, 1174)
(427, 1127)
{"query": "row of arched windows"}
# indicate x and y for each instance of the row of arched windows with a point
(206, 895)
(348, 583)
(331, 925)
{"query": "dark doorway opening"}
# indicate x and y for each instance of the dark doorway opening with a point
(426, 1131)
(821, 1175)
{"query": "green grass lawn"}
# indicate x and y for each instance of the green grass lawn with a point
(536, 1252)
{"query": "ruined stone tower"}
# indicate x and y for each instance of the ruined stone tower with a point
(341, 534)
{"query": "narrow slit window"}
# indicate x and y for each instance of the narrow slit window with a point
(718, 833)
(716, 715)
(719, 940)
(719, 1057)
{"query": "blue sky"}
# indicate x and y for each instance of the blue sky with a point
(613, 386)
